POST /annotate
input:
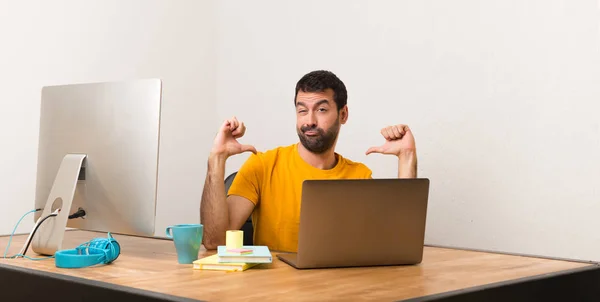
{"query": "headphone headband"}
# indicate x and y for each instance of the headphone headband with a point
(93, 252)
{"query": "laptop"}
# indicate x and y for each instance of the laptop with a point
(360, 222)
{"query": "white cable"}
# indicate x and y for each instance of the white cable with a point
(29, 238)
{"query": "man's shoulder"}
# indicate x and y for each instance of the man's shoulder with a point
(276, 152)
(271, 155)
(355, 165)
(350, 162)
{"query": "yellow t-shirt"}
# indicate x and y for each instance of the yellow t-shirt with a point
(273, 182)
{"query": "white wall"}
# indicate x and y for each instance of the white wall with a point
(501, 95)
(63, 42)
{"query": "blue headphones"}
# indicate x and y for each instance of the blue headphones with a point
(93, 252)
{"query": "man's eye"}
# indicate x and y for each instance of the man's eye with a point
(322, 109)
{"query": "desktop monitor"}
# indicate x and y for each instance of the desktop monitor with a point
(98, 151)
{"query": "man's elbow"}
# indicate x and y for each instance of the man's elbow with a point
(211, 243)
(210, 246)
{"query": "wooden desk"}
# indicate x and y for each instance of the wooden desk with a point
(149, 267)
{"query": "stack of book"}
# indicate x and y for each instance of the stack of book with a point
(239, 259)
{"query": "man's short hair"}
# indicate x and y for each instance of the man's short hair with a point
(319, 81)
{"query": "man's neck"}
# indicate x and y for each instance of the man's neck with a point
(324, 161)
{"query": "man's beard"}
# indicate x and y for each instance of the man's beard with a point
(321, 142)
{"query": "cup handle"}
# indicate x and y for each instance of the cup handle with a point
(168, 232)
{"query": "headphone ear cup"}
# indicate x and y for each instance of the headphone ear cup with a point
(117, 248)
(112, 247)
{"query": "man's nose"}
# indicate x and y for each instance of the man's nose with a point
(311, 120)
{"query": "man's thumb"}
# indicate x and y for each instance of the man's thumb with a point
(374, 150)
(250, 148)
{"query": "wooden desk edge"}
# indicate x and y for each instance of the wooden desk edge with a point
(595, 268)
(95, 283)
(512, 254)
(166, 297)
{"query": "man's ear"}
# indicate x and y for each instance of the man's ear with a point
(344, 114)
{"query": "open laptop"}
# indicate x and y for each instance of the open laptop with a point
(361, 222)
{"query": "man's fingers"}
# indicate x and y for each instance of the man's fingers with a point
(226, 126)
(385, 133)
(394, 132)
(374, 150)
(233, 124)
(403, 129)
(246, 148)
(390, 132)
(397, 132)
(239, 131)
(236, 123)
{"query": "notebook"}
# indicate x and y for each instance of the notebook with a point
(260, 254)
(239, 252)
(212, 263)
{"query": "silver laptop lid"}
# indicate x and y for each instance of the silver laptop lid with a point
(362, 222)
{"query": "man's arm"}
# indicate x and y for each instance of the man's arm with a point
(214, 213)
(407, 164)
(218, 213)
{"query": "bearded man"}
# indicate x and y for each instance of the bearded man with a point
(268, 186)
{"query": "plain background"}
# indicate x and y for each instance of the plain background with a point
(501, 96)
(62, 42)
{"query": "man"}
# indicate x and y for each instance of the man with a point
(269, 184)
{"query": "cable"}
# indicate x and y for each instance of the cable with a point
(31, 258)
(15, 229)
(30, 237)
(54, 214)
(79, 213)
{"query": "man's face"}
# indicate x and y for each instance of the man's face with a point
(317, 120)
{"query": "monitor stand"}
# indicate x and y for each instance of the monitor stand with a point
(49, 235)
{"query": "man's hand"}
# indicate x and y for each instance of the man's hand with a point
(226, 143)
(399, 140)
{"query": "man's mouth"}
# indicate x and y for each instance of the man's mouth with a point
(311, 132)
